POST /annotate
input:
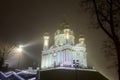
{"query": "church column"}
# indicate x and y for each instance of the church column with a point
(58, 58)
(47, 60)
(51, 60)
(68, 59)
(41, 61)
(68, 53)
(62, 57)
(44, 61)
(71, 60)
(65, 56)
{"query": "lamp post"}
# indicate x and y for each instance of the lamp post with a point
(38, 72)
(19, 49)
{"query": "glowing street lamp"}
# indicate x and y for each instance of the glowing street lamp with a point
(19, 49)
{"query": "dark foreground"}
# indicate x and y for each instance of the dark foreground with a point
(53, 74)
(63, 74)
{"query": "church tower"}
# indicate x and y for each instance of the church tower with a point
(46, 41)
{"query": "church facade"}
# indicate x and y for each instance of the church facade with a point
(64, 52)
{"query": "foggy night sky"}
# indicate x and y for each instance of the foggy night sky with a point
(25, 22)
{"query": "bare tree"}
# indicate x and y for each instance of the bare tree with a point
(5, 49)
(106, 15)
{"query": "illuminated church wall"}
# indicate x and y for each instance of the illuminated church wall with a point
(64, 52)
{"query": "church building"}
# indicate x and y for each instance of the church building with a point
(64, 52)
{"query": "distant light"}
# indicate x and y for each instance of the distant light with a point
(20, 48)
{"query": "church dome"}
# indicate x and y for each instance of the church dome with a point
(58, 32)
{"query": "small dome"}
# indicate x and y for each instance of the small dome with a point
(57, 32)
(81, 36)
(46, 34)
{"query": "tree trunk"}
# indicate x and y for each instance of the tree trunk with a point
(117, 45)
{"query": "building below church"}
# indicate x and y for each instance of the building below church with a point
(64, 52)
